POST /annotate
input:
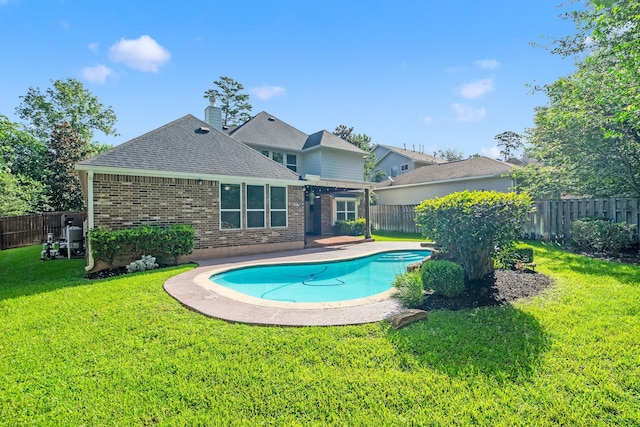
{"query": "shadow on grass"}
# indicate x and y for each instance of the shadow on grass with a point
(23, 274)
(500, 342)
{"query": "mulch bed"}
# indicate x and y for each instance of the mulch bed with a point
(500, 288)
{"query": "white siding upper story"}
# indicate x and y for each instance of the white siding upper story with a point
(326, 163)
(311, 163)
(416, 193)
(341, 165)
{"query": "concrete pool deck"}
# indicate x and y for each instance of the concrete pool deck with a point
(195, 291)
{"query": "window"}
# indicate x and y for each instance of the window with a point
(404, 167)
(230, 207)
(264, 152)
(346, 210)
(278, 206)
(394, 171)
(277, 157)
(292, 162)
(255, 206)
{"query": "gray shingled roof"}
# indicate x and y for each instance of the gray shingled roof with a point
(473, 167)
(325, 138)
(414, 155)
(265, 129)
(181, 146)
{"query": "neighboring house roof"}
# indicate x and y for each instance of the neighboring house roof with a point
(327, 139)
(189, 145)
(469, 168)
(266, 130)
(411, 155)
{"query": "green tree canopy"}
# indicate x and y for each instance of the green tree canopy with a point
(22, 164)
(66, 149)
(509, 143)
(234, 104)
(587, 139)
(449, 154)
(67, 101)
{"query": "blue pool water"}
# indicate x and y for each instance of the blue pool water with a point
(321, 282)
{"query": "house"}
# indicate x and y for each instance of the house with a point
(426, 182)
(394, 161)
(328, 164)
(260, 187)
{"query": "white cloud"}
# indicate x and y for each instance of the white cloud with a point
(97, 74)
(489, 64)
(466, 113)
(266, 92)
(476, 88)
(142, 54)
(428, 120)
(93, 47)
(492, 152)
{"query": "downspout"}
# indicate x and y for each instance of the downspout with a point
(90, 222)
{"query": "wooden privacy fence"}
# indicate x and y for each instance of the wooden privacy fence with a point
(393, 218)
(25, 230)
(550, 220)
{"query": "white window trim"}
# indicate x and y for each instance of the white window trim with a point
(285, 210)
(222, 184)
(263, 210)
(344, 199)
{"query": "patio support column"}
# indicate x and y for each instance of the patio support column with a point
(367, 229)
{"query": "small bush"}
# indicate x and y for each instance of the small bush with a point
(443, 277)
(147, 262)
(511, 256)
(602, 235)
(350, 228)
(409, 288)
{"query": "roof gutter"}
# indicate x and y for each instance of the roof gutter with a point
(184, 175)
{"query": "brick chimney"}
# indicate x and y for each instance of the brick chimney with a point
(213, 114)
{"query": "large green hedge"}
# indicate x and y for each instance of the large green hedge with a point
(470, 225)
(164, 243)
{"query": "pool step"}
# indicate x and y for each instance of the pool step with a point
(407, 257)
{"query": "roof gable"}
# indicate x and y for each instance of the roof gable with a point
(327, 139)
(189, 145)
(266, 130)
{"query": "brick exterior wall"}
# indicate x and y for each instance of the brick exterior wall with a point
(122, 201)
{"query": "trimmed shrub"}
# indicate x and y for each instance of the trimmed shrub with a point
(443, 277)
(409, 288)
(350, 228)
(165, 243)
(469, 225)
(602, 235)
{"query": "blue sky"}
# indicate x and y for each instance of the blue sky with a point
(425, 75)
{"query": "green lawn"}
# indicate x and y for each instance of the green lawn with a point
(386, 236)
(122, 352)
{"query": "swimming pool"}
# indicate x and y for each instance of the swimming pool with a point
(323, 281)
